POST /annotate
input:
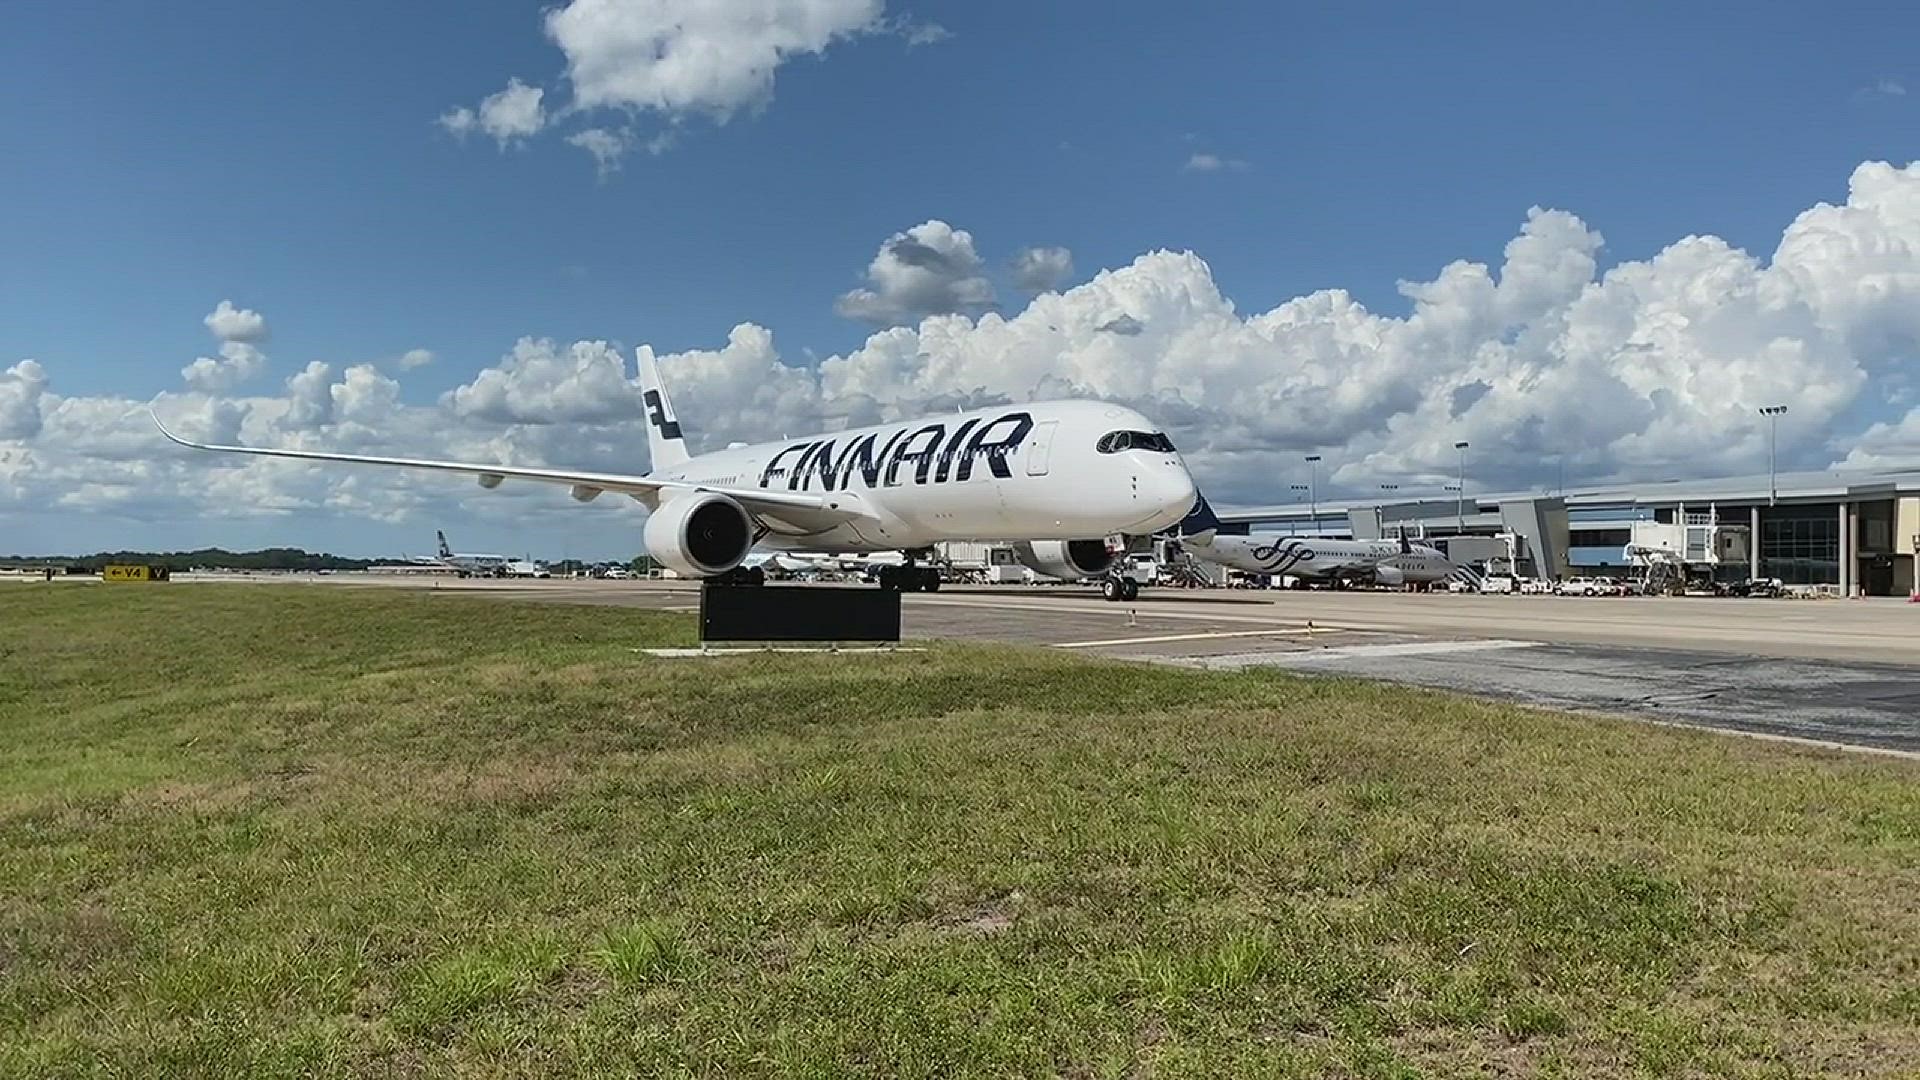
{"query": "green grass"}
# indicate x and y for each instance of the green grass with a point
(296, 831)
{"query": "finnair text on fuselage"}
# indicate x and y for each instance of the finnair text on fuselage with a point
(920, 454)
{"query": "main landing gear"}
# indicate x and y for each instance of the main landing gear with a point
(742, 575)
(909, 578)
(1120, 589)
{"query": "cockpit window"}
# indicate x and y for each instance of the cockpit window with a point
(1115, 441)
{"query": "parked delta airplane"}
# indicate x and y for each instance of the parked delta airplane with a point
(1070, 476)
(1386, 562)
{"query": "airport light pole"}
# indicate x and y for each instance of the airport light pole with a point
(1460, 500)
(1313, 491)
(1296, 498)
(1773, 413)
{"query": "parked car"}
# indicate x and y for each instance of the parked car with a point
(1583, 586)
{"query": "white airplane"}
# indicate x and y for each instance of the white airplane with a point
(1068, 475)
(471, 563)
(1384, 562)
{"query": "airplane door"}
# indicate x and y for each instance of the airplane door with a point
(1040, 450)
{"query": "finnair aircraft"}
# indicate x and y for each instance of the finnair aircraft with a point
(1073, 477)
(1386, 562)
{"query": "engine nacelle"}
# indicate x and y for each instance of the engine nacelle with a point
(1067, 560)
(1390, 576)
(699, 534)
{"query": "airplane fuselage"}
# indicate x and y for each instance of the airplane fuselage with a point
(1323, 559)
(1038, 471)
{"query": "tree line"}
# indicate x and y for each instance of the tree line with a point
(281, 558)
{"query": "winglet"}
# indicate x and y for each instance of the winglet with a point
(170, 435)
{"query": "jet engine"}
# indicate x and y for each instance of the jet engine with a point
(1390, 576)
(699, 534)
(1065, 559)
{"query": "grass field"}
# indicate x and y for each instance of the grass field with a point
(301, 830)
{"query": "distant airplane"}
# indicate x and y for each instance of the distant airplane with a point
(1383, 562)
(1075, 478)
(472, 564)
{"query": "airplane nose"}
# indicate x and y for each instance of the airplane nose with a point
(1171, 491)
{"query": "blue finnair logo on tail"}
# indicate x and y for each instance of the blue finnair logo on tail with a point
(657, 415)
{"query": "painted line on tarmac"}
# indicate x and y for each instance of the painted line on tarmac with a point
(1405, 648)
(1158, 639)
(1145, 611)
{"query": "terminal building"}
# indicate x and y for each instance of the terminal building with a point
(1853, 533)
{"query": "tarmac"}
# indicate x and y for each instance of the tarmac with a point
(1831, 672)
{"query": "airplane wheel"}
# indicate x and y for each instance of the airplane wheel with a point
(1112, 590)
(1129, 589)
(930, 580)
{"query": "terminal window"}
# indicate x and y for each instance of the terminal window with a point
(1608, 538)
(1800, 546)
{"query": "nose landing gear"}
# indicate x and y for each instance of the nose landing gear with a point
(1120, 589)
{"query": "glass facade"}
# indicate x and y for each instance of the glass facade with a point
(1800, 545)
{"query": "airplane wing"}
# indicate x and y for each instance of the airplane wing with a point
(584, 484)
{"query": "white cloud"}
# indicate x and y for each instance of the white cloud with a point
(511, 114)
(21, 387)
(415, 358)
(930, 269)
(925, 33)
(541, 383)
(1199, 162)
(1889, 444)
(238, 362)
(309, 398)
(607, 147)
(710, 57)
(229, 323)
(1042, 269)
(674, 59)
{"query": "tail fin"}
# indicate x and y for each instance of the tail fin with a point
(445, 551)
(1406, 545)
(665, 447)
(1200, 523)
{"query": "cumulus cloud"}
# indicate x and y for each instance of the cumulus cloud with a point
(1042, 269)
(229, 323)
(672, 59)
(542, 383)
(509, 115)
(415, 358)
(1652, 367)
(237, 362)
(931, 269)
(694, 57)
(21, 387)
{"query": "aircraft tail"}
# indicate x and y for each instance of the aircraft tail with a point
(665, 446)
(1200, 523)
(445, 551)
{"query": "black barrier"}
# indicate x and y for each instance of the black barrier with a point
(798, 613)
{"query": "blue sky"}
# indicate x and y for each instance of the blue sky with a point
(161, 158)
